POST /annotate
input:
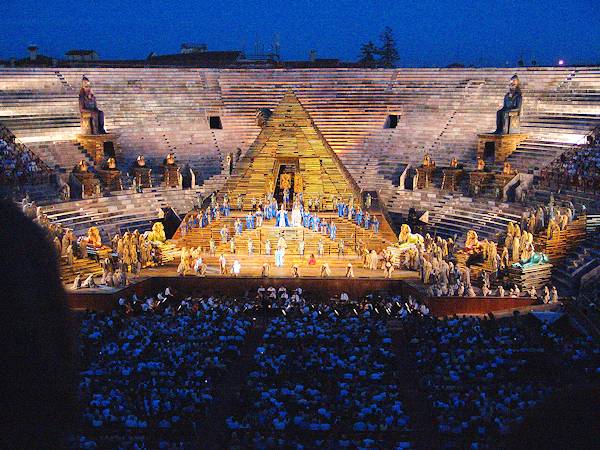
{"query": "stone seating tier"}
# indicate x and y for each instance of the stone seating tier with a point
(439, 109)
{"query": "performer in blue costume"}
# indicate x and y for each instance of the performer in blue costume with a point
(375, 224)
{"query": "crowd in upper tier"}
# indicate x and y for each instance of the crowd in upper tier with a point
(319, 373)
(18, 165)
(578, 169)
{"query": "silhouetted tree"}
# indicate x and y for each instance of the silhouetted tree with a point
(388, 52)
(368, 52)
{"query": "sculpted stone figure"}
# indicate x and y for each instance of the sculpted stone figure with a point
(298, 183)
(157, 233)
(285, 181)
(169, 160)
(407, 239)
(92, 119)
(480, 164)
(427, 161)
(511, 106)
(529, 257)
(93, 237)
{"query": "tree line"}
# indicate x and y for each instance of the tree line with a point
(386, 55)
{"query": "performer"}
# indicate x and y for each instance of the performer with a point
(222, 264)
(286, 197)
(301, 248)
(249, 221)
(88, 106)
(296, 215)
(224, 234)
(332, 230)
(375, 224)
(282, 217)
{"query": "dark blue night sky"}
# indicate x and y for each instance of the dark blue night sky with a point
(428, 33)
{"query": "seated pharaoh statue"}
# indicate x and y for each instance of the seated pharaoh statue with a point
(157, 234)
(508, 117)
(92, 119)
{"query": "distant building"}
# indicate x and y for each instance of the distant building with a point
(187, 48)
(81, 55)
(198, 58)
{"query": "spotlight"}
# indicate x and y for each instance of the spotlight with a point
(561, 62)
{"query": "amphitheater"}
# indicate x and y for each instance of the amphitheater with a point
(438, 112)
(447, 351)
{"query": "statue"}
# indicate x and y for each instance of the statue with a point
(111, 164)
(285, 181)
(269, 185)
(92, 119)
(427, 161)
(93, 237)
(298, 183)
(262, 116)
(473, 248)
(406, 239)
(529, 257)
(83, 181)
(81, 167)
(158, 233)
(169, 160)
(511, 107)
(141, 173)
(171, 175)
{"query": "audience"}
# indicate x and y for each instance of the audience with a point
(18, 165)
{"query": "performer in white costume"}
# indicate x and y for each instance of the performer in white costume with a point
(296, 215)
(282, 217)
